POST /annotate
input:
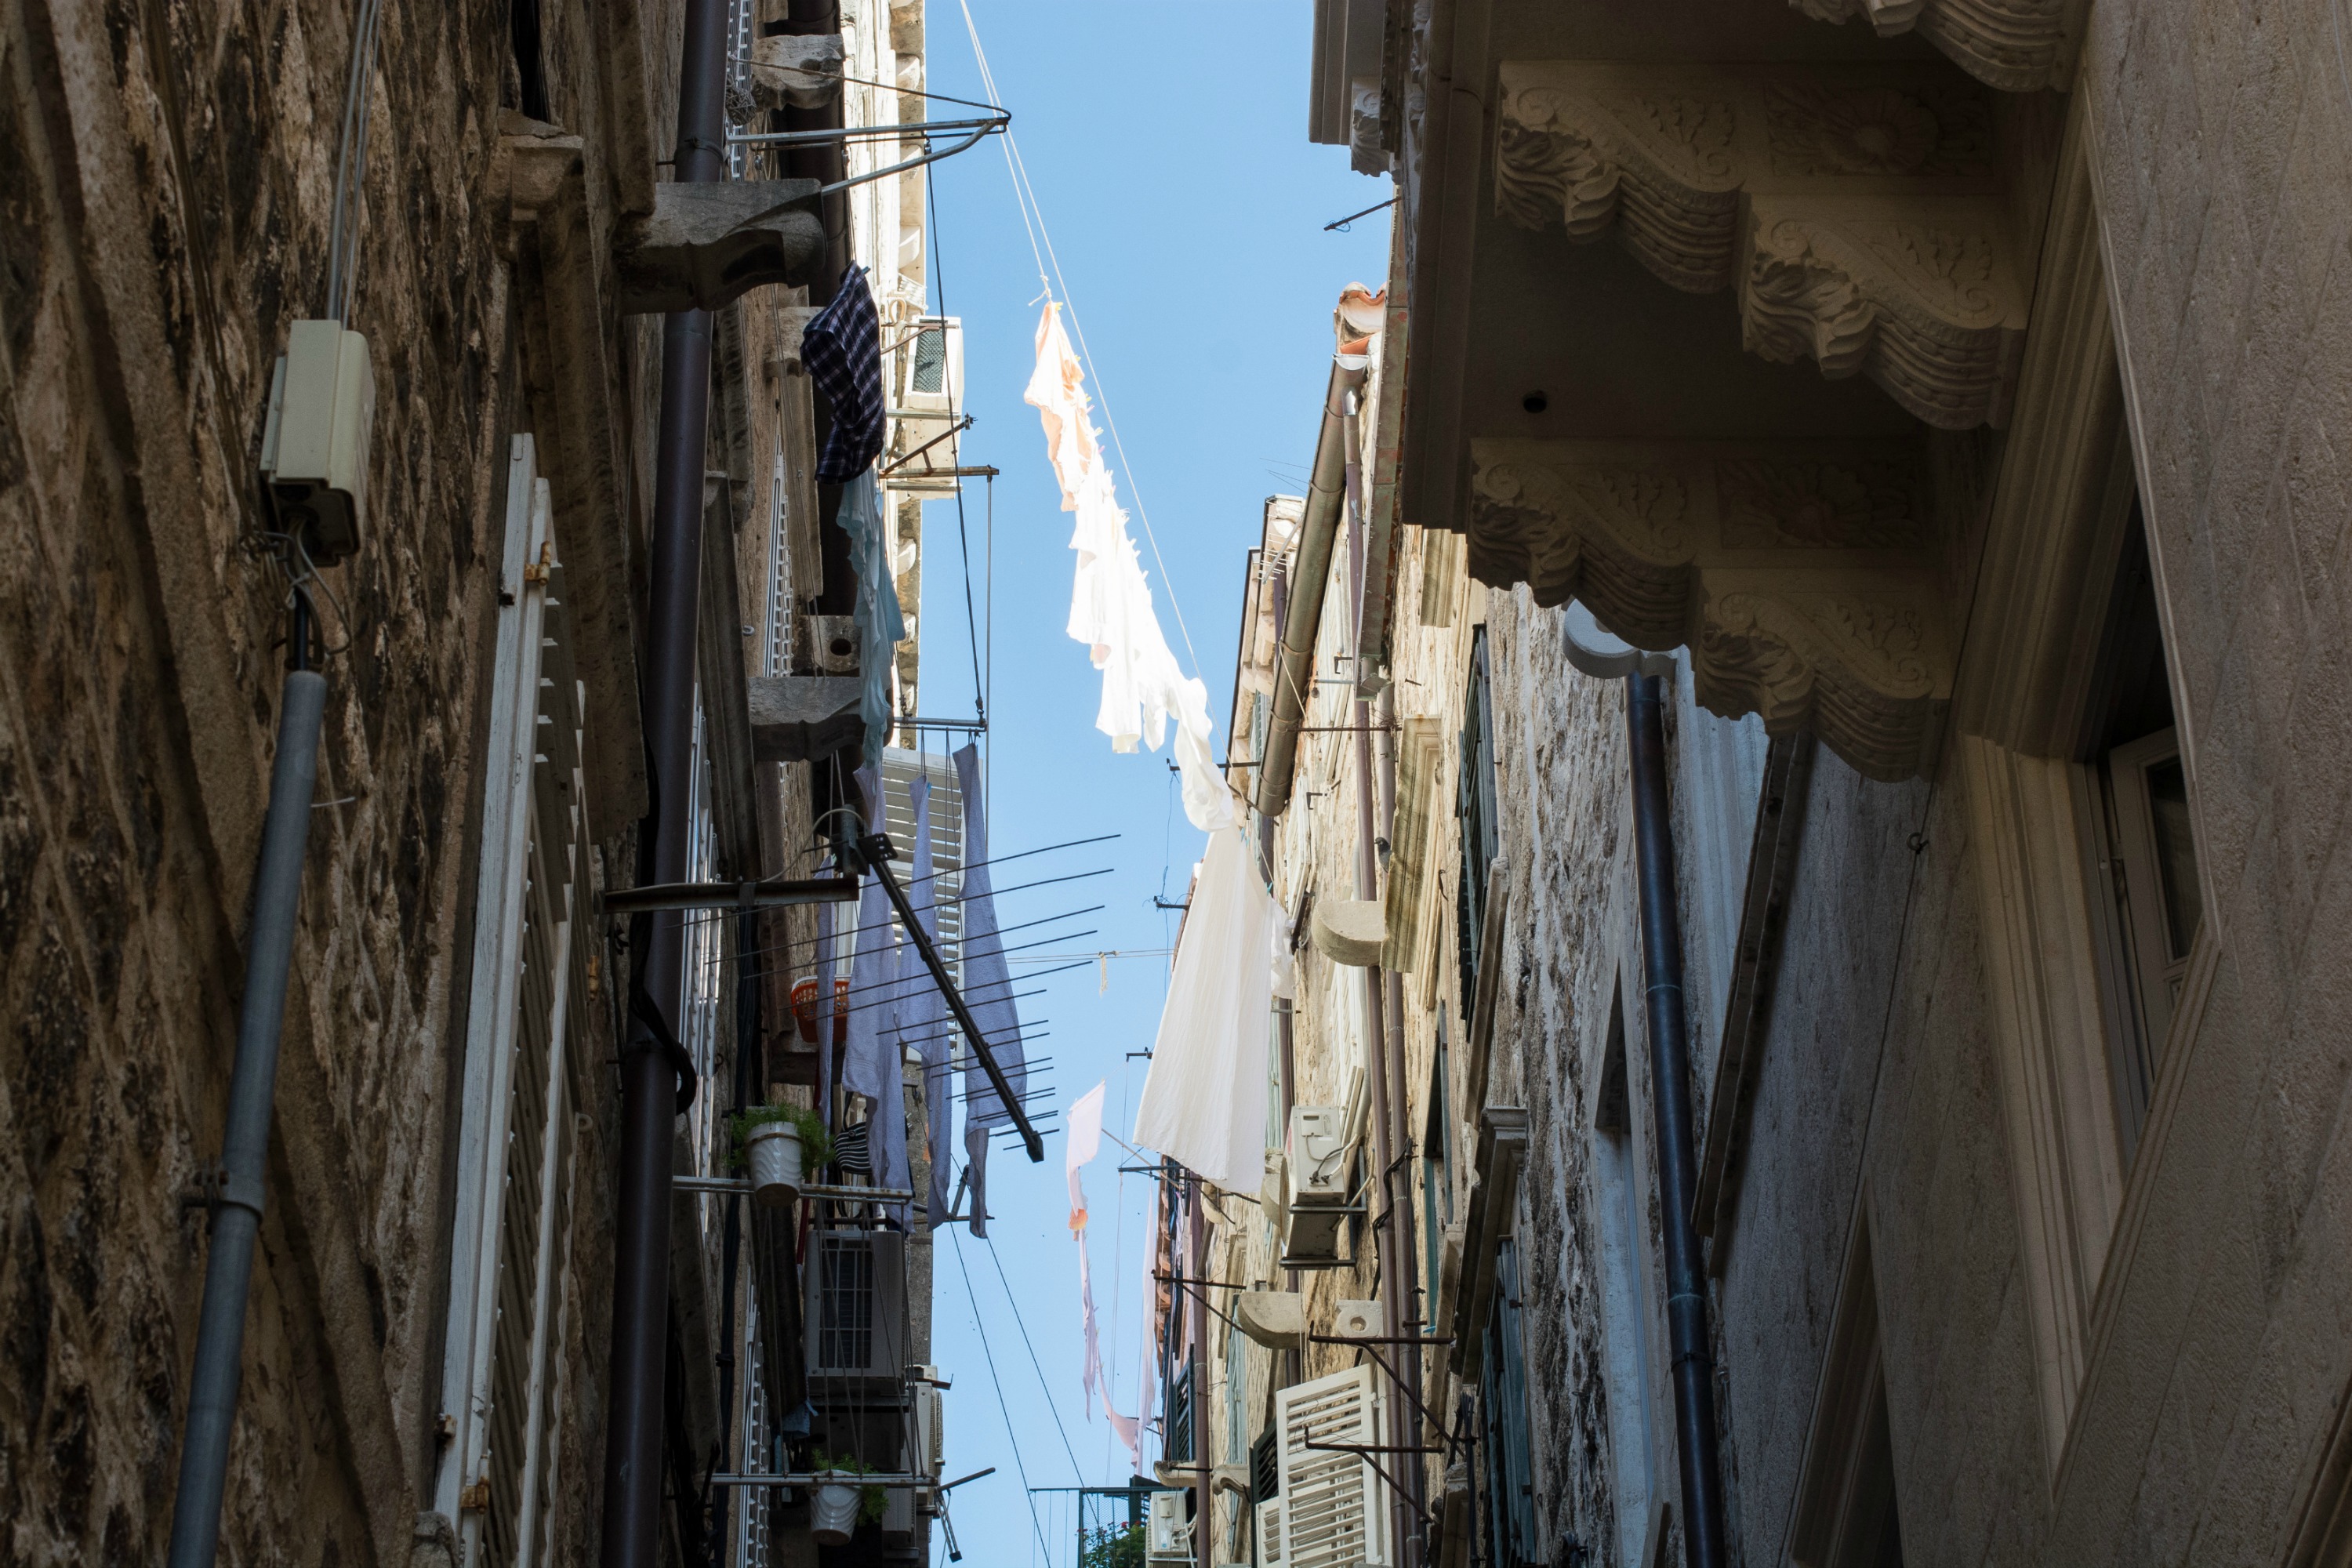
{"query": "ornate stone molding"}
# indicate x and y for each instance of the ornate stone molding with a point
(2017, 45)
(1858, 212)
(1798, 575)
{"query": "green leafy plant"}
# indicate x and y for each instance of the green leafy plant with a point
(816, 1143)
(871, 1501)
(1112, 1546)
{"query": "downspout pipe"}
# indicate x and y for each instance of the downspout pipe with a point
(1310, 570)
(1385, 1026)
(239, 1188)
(654, 1076)
(1662, 961)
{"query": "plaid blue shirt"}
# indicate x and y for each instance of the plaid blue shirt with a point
(843, 351)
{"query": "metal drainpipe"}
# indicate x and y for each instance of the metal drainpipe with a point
(239, 1186)
(1408, 1358)
(1402, 1508)
(1662, 959)
(649, 1075)
(1310, 569)
(1196, 1363)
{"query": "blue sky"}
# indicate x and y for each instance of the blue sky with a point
(1168, 150)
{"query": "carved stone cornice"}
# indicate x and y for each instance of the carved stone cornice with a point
(2017, 45)
(1798, 575)
(1857, 212)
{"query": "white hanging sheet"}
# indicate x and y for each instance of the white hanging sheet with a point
(1213, 1028)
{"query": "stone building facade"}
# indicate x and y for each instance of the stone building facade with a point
(167, 174)
(1944, 394)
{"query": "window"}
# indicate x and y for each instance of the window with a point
(1626, 1342)
(1436, 1179)
(1481, 832)
(1177, 1443)
(1503, 1401)
(503, 1381)
(1846, 1514)
(2147, 847)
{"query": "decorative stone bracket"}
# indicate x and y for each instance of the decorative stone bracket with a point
(2017, 46)
(705, 245)
(801, 70)
(1858, 212)
(1798, 575)
(796, 718)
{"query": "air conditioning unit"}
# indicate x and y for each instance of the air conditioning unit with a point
(930, 405)
(1170, 1537)
(854, 1317)
(1316, 1164)
(926, 1430)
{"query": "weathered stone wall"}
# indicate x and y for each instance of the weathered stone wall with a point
(1560, 767)
(2226, 207)
(165, 172)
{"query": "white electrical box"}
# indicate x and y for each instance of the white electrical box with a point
(314, 444)
(1168, 1538)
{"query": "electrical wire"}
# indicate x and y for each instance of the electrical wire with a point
(1012, 1435)
(963, 537)
(1022, 1322)
(1024, 192)
(350, 166)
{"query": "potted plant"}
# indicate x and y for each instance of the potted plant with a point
(841, 1505)
(776, 1143)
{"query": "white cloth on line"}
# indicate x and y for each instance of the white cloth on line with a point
(872, 1064)
(1082, 1142)
(1110, 601)
(1212, 1027)
(988, 990)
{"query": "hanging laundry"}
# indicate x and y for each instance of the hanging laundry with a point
(842, 347)
(1212, 1027)
(881, 625)
(1083, 1122)
(870, 1065)
(988, 992)
(1110, 601)
(1081, 1145)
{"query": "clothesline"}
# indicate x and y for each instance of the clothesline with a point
(1025, 200)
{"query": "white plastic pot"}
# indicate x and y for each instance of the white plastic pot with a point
(833, 1516)
(772, 1151)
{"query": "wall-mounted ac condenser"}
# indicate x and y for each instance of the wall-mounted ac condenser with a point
(854, 1313)
(1169, 1536)
(1316, 1170)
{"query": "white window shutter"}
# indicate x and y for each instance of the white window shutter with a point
(502, 1374)
(1332, 1510)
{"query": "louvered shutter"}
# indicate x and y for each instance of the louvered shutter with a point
(503, 1377)
(900, 771)
(1330, 1512)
